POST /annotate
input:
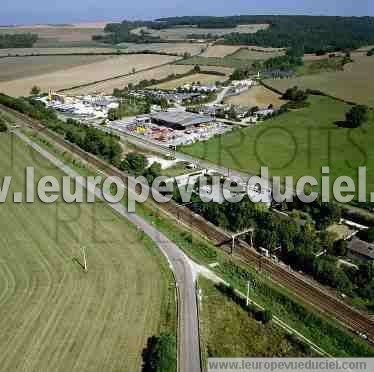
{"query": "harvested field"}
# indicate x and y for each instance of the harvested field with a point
(174, 48)
(78, 50)
(353, 84)
(59, 36)
(56, 317)
(108, 86)
(114, 66)
(15, 68)
(202, 78)
(257, 96)
(219, 51)
(181, 33)
(254, 54)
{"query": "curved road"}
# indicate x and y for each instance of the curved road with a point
(180, 264)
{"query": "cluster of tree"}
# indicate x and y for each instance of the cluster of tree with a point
(26, 40)
(137, 164)
(93, 141)
(298, 240)
(291, 60)
(89, 139)
(316, 34)
(297, 98)
(356, 116)
(300, 243)
(3, 126)
(230, 216)
(295, 94)
(367, 235)
(264, 316)
(160, 354)
(242, 73)
(322, 213)
(116, 33)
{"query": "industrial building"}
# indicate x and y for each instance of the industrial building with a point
(180, 120)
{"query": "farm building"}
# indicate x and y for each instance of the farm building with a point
(180, 119)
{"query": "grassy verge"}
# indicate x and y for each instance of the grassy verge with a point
(229, 331)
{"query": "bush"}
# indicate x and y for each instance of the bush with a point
(3, 126)
(357, 116)
(161, 354)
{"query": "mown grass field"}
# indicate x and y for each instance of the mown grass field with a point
(256, 96)
(79, 75)
(55, 317)
(296, 144)
(354, 84)
(228, 331)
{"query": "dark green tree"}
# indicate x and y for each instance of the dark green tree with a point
(35, 91)
(357, 116)
(3, 126)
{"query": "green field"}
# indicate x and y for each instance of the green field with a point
(55, 317)
(229, 331)
(354, 84)
(296, 144)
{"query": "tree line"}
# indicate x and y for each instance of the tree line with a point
(300, 239)
(25, 40)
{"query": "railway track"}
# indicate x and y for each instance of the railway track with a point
(308, 293)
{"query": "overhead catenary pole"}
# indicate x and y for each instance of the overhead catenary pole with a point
(248, 284)
(84, 259)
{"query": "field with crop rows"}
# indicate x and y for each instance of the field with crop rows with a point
(15, 68)
(53, 315)
(120, 83)
(93, 72)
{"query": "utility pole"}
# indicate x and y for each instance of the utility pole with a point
(248, 284)
(84, 259)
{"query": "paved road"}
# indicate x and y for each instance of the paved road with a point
(220, 96)
(180, 264)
